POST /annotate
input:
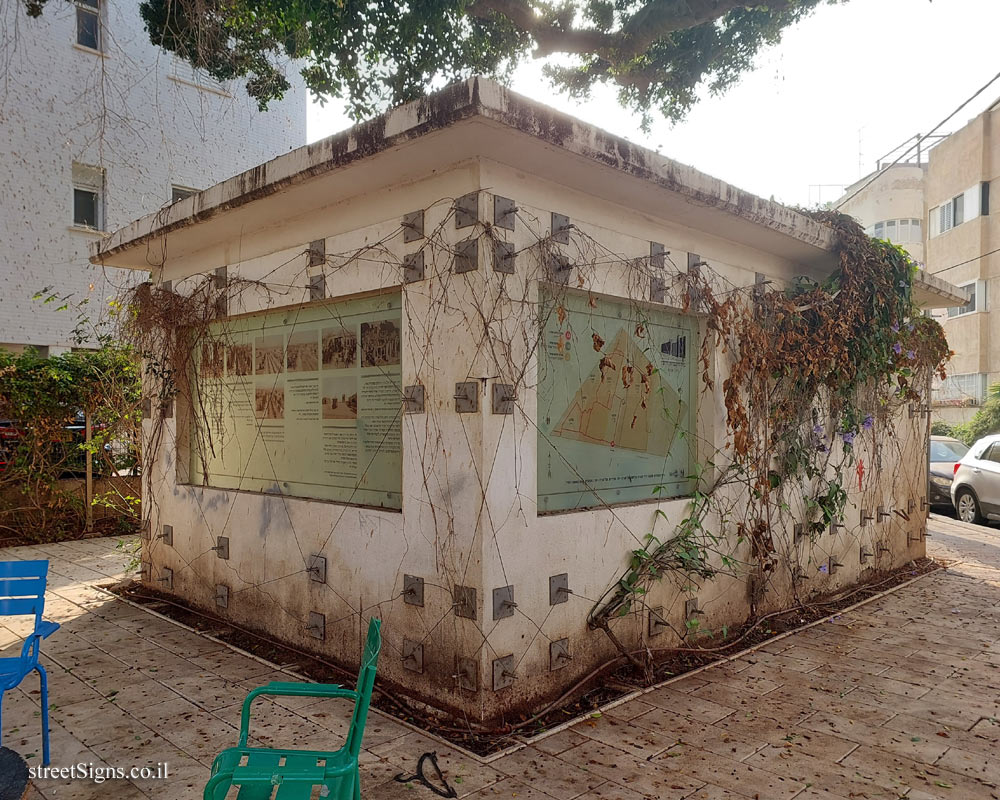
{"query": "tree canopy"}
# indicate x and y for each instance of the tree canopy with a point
(376, 53)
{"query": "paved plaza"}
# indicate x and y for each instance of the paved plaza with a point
(897, 698)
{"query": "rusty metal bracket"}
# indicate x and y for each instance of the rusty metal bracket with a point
(317, 287)
(222, 547)
(559, 268)
(559, 655)
(413, 267)
(413, 399)
(413, 655)
(864, 555)
(467, 256)
(464, 600)
(504, 257)
(502, 398)
(503, 672)
(413, 590)
(316, 253)
(316, 625)
(221, 595)
(882, 513)
(835, 524)
(559, 588)
(316, 568)
(413, 226)
(504, 212)
(467, 674)
(833, 564)
(503, 602)
(657, 255)
(560, 228)
(657, 624)
(467, 397)
(166, 577)
(467, 210)
(167, 535)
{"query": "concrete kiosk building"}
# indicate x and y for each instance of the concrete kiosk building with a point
(408, 410)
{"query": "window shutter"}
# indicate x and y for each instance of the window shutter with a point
(934, 221)
(972, 202)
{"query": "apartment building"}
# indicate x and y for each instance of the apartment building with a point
(98, 126)
(938, 208)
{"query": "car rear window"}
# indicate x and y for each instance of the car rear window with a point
(947, 451)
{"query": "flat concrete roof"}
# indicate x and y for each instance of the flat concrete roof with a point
(682, 194)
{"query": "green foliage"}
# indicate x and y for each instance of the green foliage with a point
(383, 52)
(985, 422)
(42, 397)
(941, 428)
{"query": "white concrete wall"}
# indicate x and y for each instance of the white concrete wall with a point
(123, 111)
(469, 480)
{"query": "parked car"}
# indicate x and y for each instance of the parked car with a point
(975, 486)
(944, 454)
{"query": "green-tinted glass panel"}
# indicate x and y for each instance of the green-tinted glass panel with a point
(304, 402)
(615, 401)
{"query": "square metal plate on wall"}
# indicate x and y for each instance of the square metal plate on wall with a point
(559, 588)
(559, 655)
(467, 210)
(316, 568)
(316, 625)
(467, 256)
(413, 267)
(464, 599)
(167, 534)
(503, 672)
(166, 578)
(222, 547)
(467, 397)
(221, 595)
(316, 252)
(413, 590)
(504, 212)
(657, 255)
(657, 624)
(503, 602)
(413, 399)
(413, 655)
(657, 289)
(560, 228)
(317, 287)
(502, 398)
(467, 673)
(413, 226)
(559, 268)
(504, 257)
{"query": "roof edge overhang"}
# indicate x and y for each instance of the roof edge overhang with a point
(473, 97)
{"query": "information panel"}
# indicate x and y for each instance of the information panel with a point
(304, 402)
(615, 401)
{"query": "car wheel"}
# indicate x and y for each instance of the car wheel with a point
(968, 507)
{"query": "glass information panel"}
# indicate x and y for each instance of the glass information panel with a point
(615, 401)
(304, 402)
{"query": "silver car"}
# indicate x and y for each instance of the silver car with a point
(975, 488)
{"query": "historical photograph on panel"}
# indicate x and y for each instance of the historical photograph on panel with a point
(240, 358)
(270, 399)
(303, 351)
(340, 348)
(270, 355)
(379, 343)
(340, 398)
(211, 359)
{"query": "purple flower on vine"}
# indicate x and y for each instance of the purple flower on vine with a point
(822, 448)
(848, 438)
(818, 429)
(910, 326)
(868, 423)
(897, 348)
(895, 327)
(910, 354)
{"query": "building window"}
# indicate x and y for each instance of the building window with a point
(180, 192)
(879, 230)
(958, 210)
(88, 24)
(973, 291)
(88, 196)
(183, 71)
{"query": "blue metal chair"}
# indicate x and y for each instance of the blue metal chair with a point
(22, 592)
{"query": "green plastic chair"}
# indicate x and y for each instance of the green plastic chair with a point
(296, 773)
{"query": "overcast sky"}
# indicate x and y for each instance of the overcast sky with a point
(842, 88)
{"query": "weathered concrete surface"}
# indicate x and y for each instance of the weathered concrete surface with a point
(897, 698)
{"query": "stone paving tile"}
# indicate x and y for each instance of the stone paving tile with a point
(892, 698)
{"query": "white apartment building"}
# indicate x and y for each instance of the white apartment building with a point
(97, 127)
(937, 206)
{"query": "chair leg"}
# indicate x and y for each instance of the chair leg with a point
(44, 685)
(357, 786)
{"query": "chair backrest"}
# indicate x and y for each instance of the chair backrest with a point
(366, 682)
(22, 588)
